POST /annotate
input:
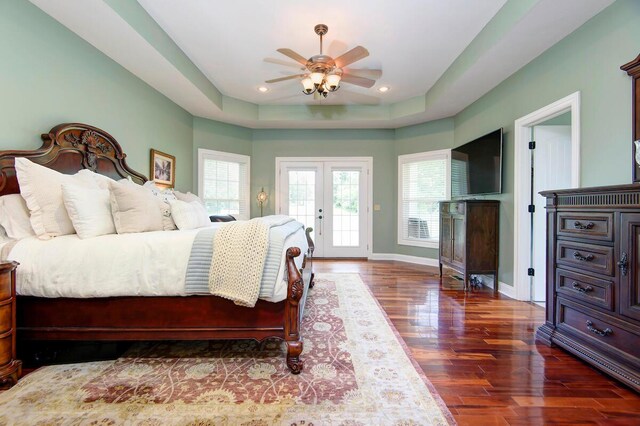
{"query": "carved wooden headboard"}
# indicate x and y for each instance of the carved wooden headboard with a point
(69, 148)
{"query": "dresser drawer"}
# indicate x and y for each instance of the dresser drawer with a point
(597, 329)
(5, 317)
(586, 257)
(584, 288)
(594, 226)
(5, 285)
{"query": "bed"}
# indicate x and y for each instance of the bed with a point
(71, 147)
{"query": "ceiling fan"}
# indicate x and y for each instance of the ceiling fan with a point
(323, 74)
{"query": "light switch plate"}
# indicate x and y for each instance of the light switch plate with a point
(376, 207)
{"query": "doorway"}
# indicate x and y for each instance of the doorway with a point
(554, 163)
(551, 169)
(331, 195)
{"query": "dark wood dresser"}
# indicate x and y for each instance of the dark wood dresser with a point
(10, 367)
(469, 237)
(593, 277)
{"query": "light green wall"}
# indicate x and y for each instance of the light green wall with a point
(50, 76)
(379, 144)
(588, 61)
(430, 136)
(209, 134)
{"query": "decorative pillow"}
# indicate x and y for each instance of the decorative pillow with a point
(166, 196)
(89, 210)
(14, 217)
(41, 189)
(134, 208)
(188, 197)
(3, 236)
(189, 215)
(88, 176)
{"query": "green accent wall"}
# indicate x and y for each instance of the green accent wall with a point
(430, 136)
(379, 144)
(50, 76)
(209, 134)
(588, 61)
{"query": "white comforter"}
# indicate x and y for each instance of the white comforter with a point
(141, 264)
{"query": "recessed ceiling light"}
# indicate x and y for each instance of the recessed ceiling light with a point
(383, 89)
(263, 89)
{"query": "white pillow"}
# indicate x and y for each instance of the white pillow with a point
(3, 236)
(41, 188)
(134, 208)
(89, 210)
(189, 215)
(188, 197)
(14, 217)
(88, 176)
(166, 196)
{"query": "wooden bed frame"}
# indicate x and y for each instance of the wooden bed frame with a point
(71, 147)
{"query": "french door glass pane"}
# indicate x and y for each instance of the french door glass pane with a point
(302, 196)
(346, 208)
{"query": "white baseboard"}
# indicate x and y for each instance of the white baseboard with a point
(504, 288)
(404, 258)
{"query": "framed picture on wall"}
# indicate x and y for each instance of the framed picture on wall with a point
(163, 169)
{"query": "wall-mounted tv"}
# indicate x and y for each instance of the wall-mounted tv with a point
(476, 167)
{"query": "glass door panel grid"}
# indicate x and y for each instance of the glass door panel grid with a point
(346, 208)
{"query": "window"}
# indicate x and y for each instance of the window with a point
(423, 180)
(223, 182)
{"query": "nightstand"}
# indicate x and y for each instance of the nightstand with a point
(10, 367)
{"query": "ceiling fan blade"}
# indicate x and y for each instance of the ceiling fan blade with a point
(289, 77)
(363, 72)
(293, 55)
(284, 63)
(358, 81)
(351, 56)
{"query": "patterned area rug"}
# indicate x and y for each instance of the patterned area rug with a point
(357, 372)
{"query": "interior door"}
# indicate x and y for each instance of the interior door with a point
(552, 170)
(331, 197)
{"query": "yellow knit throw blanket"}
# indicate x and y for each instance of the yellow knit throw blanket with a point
(240, 250)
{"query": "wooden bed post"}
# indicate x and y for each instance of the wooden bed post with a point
(309, 256)
(292, 313)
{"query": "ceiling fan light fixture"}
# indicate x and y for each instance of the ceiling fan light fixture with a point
(333, 82)
(317, 77)
(263, 89)
(308, 86)
(383, 89)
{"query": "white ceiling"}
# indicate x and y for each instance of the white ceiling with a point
(438, 56)
(412, 41)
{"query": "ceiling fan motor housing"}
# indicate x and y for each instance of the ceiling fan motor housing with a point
(320, 63)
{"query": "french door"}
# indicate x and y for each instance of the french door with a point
(332, 198)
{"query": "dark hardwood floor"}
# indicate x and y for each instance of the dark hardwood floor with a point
(480, 353)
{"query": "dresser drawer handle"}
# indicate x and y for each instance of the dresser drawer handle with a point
(623, 264)
(607, 331)
(578, 256)
(581, 289)
(578, 225)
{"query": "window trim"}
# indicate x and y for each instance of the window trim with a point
(411, 158)
(245, 199)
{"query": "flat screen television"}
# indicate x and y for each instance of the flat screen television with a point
(476, 167)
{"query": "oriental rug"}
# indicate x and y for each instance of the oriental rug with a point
(357, 372)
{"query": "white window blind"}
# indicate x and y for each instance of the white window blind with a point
(423, 180)
(223, 183)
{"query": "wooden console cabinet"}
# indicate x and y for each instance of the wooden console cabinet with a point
(593, 277)
(469, 236)
(10, 367)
